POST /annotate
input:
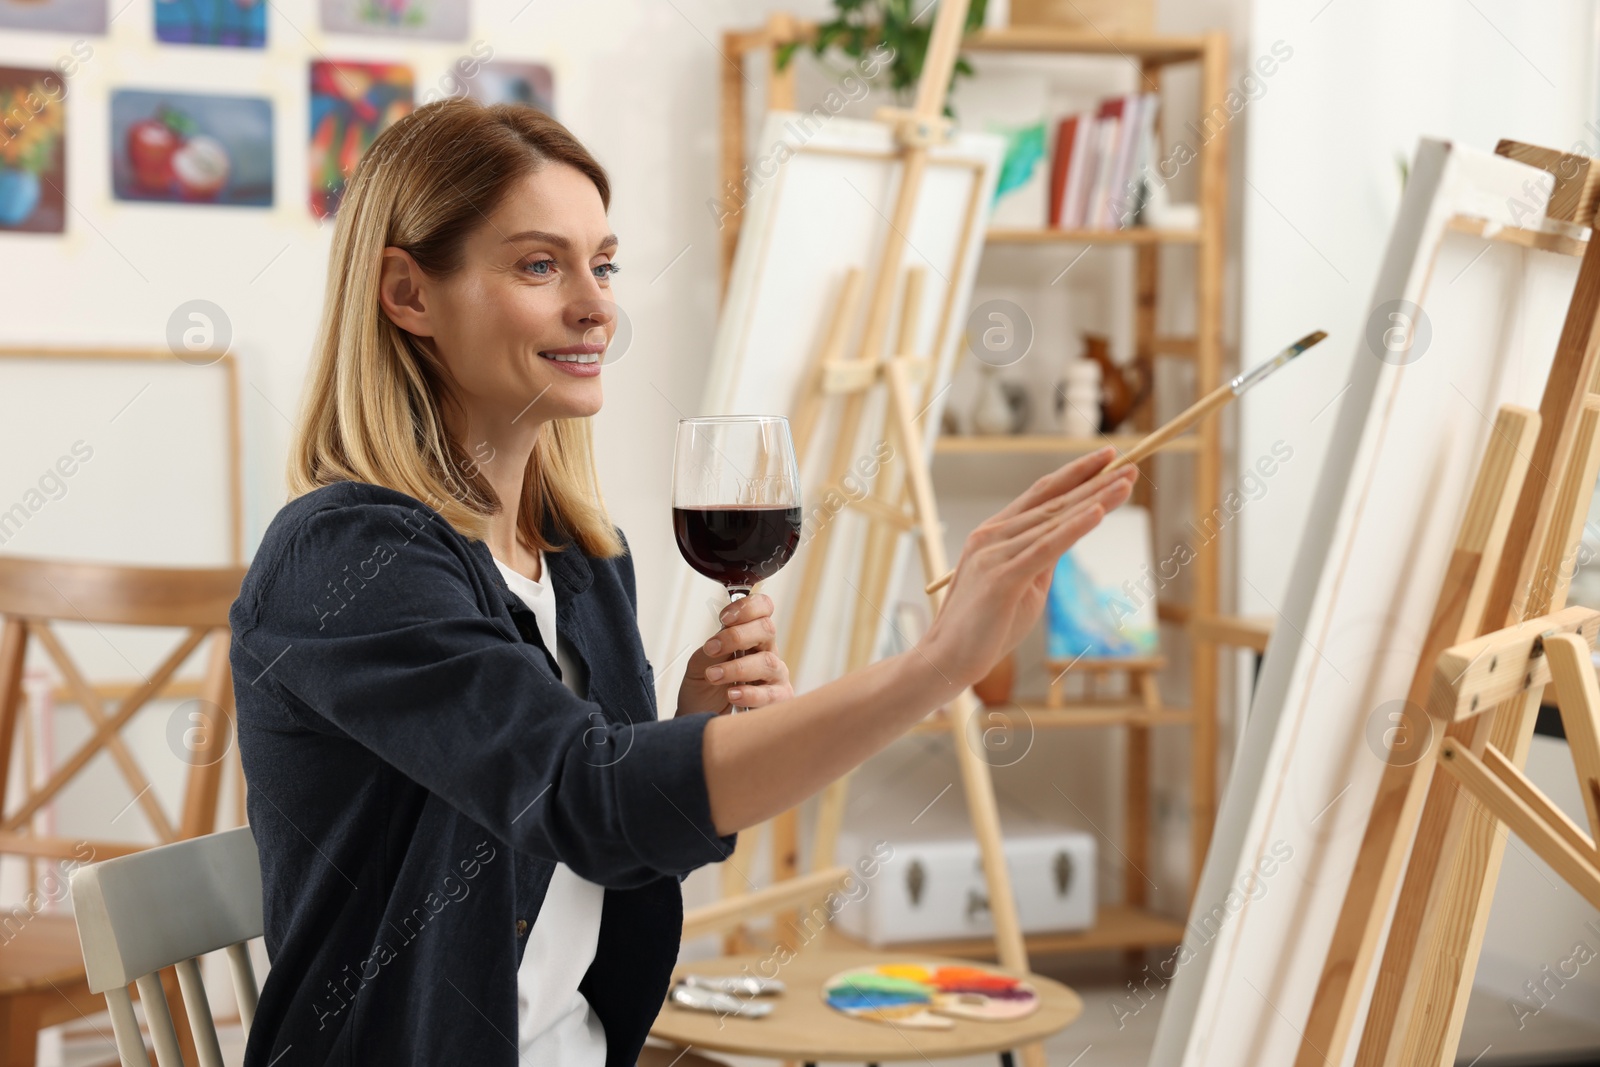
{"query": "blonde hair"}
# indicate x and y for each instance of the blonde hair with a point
(372, 409)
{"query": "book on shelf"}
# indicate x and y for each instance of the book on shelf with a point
(1061, 163)
(1109, 121)
(1098, 170)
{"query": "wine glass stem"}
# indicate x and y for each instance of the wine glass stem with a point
(737, 592)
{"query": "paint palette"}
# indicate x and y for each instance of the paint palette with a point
(928, 996)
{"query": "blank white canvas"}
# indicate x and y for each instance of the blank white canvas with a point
(158, 474)
(814, 215)
(1371, 562)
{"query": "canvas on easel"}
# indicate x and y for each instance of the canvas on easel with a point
(1103, 593)
(824, 212)
(1459, 325)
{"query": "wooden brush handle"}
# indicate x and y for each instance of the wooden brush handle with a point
(1157, 440)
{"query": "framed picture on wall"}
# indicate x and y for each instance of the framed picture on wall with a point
(351, 103)
(233, 23)
(33, 153)
(509, 82)
(191, 148)
(434, 20)
(54, 16)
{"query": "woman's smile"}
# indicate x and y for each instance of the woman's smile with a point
(582, 360)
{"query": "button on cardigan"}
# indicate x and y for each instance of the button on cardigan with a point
(416, 769)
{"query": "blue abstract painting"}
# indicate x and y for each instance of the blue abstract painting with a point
(1103, 592)
(234, 23)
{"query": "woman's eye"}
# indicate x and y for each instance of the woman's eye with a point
(606, 270)
(539, 267)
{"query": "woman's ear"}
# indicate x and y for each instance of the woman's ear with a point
(401, 292)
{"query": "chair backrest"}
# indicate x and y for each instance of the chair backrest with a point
(34, 593)
(164, 907)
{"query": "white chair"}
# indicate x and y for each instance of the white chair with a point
(165, 907)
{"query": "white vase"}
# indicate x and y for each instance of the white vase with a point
(1080, 388)
(992, 413)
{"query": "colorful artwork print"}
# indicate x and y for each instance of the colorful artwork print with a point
(530, 84)
(351, 103)
(1103, 593)
(928, 996)
(32, 150)
(191, 148)
(235, 23)
(54, 16)
(437, 20)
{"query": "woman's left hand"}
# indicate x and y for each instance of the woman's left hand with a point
(716, 680)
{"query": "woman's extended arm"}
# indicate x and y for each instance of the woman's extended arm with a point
(763, 762)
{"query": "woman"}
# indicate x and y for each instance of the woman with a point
(458, 782)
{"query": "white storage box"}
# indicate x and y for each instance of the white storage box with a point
(934, 889)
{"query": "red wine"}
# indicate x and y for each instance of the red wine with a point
(737, 546)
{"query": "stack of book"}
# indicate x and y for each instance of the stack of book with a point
(1098, 173)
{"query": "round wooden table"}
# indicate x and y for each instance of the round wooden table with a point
(801, 1026)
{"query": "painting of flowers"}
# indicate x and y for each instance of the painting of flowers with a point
(351, 103)
(54, 16)
(32, 150)
(191, 148)
(235, 23)
(436, 20)
(1103, 592)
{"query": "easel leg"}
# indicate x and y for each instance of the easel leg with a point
(873, 581)
(1136, 831)
(813, 554)
(736, 881)
(1459, 846)
(786, 827)
(1396, 809)
(976, 779)
(1578, 696)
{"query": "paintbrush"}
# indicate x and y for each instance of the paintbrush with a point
(1212, 401)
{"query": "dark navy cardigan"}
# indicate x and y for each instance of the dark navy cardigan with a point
(416, 768)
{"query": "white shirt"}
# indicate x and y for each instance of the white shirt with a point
(555, 1024)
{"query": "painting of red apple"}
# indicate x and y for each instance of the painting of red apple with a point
(191, 148)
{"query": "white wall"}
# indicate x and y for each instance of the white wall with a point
(1366, 79)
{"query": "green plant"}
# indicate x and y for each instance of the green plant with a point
(858, 26)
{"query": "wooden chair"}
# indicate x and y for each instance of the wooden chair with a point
(42, 977)
(165, 907)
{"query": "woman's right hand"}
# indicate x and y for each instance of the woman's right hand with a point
(1003, 576)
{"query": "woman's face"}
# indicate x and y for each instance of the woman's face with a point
(524, 323)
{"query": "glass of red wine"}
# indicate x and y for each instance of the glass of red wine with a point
(736, 498)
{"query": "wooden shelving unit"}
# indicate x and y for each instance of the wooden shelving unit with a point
(1002, 235)
(1128, 924)
(1117, 926)
(1053, 444)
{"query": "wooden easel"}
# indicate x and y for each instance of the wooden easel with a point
(1498, 634)
(851, 379)
(1141, 672)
